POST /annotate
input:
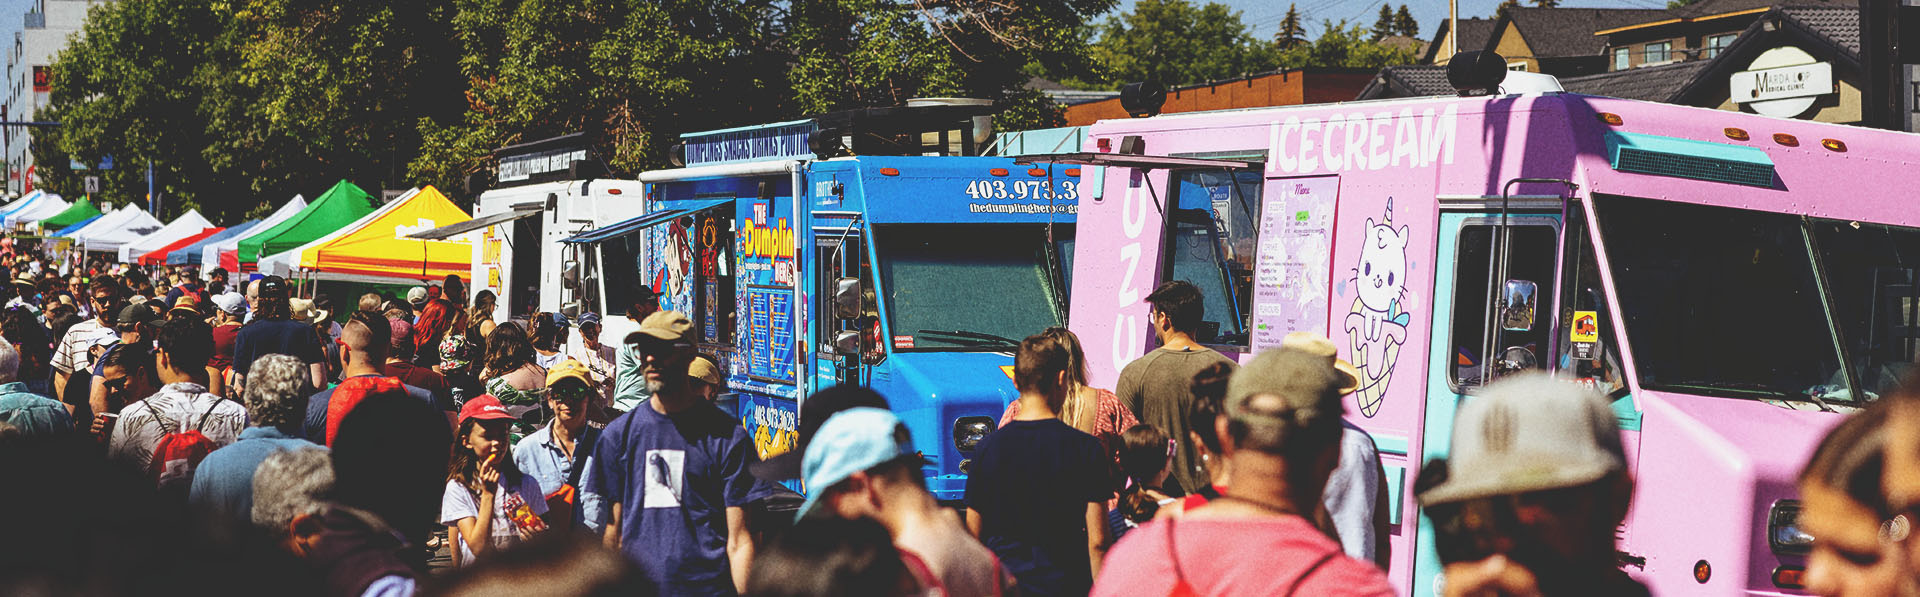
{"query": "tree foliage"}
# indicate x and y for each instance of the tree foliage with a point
(1383, 26)
(1505, 7)
(1344, 45)
(239, 104)
(1403, 23)
(1175, 42)
(1292, 32)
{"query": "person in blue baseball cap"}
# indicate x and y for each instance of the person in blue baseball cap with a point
(861, 464)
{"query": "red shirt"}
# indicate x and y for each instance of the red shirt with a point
(223, 339)
(1243, 556)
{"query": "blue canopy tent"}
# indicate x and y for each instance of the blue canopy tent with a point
(190, 254)
(78, 225)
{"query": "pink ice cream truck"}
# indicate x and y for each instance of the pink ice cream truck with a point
(1732, 282)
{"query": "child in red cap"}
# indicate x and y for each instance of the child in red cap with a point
(483, 479)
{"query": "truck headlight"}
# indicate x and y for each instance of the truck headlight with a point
(1783, 529)
(968, 432)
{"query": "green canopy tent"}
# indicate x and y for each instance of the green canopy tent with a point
(341, 205)
(78, 212)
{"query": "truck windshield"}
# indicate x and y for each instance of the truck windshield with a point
(969, 287)
(1873, 272)
(1721, 301)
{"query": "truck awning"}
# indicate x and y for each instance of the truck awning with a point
(1142, 162)
(450, 230)
(622, 228)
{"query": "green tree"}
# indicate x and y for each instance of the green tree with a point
(630, 75)
(1403, 23)
(132, 88)
(1343, 45)
(1383, 26)
(1505, 7)
(1292, 32)
(1175, 42)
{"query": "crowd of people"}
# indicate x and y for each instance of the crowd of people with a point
(166, 432)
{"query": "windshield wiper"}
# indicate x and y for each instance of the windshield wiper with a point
(1752, 388)
(972, 336)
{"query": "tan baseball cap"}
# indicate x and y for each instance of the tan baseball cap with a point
(669, 326)
(1529, 432)
(706, 371)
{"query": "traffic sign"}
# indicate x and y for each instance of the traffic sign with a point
(93, 185)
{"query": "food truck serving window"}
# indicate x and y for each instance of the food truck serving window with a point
(962, 287)
(1210, 242)
(1720, 301)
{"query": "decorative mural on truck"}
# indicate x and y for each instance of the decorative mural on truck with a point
(1376, 326)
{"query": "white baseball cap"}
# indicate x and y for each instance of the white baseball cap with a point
(1529, 432)
(231, 302)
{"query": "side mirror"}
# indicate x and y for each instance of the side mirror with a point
(570, 275)
(1515, 359)
(846, 298)
(846, 343)
(571, 310)
(1517, 306)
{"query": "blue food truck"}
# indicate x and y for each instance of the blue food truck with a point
(869, 247)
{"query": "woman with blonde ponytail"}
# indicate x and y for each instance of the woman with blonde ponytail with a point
(1096, 411)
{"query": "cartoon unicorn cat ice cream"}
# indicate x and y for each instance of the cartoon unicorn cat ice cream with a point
(1377, 324)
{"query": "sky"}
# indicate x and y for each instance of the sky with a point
(1264, 15)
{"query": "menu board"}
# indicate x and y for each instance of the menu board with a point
(1294, 258)
(770, 332)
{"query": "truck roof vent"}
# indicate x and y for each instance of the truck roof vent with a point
(1687, 158)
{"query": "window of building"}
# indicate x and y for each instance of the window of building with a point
(1658, 52)
(1519, 66)
(1622, 58)
(1717, 43)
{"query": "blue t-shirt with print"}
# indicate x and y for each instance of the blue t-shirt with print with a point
(674, 477)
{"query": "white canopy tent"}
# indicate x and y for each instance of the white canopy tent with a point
(285, 263)
(210, 255)
(188, 224)
(21, 202)
(48, 206)
(115, 230)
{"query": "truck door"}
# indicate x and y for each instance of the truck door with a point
(1475, 307)
(841, 254)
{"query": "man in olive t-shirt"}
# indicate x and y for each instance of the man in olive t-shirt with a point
(1157, 386)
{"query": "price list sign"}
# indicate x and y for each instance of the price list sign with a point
(1294, 258)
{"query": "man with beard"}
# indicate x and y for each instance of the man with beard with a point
(673, 473)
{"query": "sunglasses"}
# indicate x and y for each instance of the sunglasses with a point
(569, 394)
(117, 384)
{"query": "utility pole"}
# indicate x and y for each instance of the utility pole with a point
(1453, 26)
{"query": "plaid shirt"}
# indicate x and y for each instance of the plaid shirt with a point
(72, 355)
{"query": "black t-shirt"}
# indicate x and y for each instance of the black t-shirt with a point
(275, 336)
(1031, 481)
(470, 387)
